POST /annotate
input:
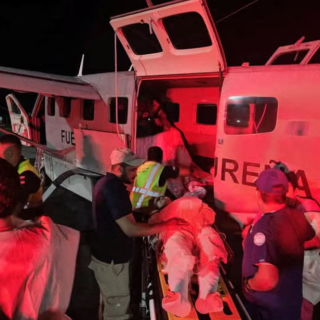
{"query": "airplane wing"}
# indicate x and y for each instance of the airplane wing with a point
(46, 84)
(57, 153)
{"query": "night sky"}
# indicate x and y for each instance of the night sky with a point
(50, 36)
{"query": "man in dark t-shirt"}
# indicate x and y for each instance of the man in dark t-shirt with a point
(115, 226)
(273, 253)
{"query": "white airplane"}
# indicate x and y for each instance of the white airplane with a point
(236, 119)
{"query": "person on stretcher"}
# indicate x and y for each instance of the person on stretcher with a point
(192, 248)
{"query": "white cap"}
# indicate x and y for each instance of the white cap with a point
(125, 155)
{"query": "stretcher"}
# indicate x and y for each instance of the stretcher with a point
(155, 287)
(229, 313)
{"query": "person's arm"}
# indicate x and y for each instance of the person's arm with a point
(265, 279)
(30, 183)
(121, 211)
(133, 229)
(169, 172)
(303, 227)
(312, 244)
(266, 254)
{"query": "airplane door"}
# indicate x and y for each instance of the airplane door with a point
(20, 120)
(38, 121)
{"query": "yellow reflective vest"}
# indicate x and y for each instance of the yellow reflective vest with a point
(146, 184)
(34, 199)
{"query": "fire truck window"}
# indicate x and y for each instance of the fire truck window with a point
(65, 107)
(251, 115)
(187, 31)
(88, 110)
(290, 58)
(207, 113)
(172, 111)
(140, 39)
(51, 106)
(15, 108)
(122, 110)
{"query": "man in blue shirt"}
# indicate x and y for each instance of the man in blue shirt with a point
(273, 253)
(115, 226)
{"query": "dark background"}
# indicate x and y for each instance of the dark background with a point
(50, 36)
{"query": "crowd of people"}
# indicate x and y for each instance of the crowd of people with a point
(38, 257)
(276, 284)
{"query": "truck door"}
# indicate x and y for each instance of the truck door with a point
(20, 120)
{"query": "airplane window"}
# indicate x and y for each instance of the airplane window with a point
(122, 110)
(238, 115)
(207, 113)
(140, 39)
(294, 57)
(251, 115)
(65, 108)
(51, 104)
(14, 107)
(265, 116)
(88, 110)
(27, 100)
(187, 31)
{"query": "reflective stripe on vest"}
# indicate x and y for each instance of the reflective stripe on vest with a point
(34, 199)
(146, 184)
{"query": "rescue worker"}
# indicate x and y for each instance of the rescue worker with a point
(274, 252)
(115, 227)
(193, 246)
(37, 263)
(11, 150)
(151, 180)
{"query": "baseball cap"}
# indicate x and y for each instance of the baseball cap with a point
(272, 181)
(125, 155)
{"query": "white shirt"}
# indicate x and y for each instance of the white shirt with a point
(37, 267)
